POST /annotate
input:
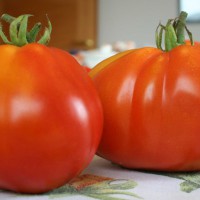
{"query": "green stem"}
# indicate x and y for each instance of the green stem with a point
(19, 35)
(174, 33)
(181, 27)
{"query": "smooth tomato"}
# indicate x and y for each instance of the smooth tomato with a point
(50, 118)
(151, 103)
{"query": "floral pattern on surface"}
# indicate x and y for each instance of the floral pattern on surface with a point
(191, 180)
(97, 187)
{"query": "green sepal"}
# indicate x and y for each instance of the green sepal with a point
(19, 34)
(47, 34)
(32, 34)
(174, 33)
(170, 38)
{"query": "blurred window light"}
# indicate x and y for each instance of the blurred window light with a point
(192, 7)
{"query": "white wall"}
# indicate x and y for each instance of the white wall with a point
(136, 20)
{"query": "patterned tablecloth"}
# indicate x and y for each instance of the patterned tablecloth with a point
(105, 181)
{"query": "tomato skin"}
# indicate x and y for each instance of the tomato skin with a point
(187, 42)
(151, 103)
(50, 118)
(87, 69)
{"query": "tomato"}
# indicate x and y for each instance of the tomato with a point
(151, 103)
(187, 42)
(50, 118)
(87, 69)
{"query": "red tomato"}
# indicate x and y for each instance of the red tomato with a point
(87, 69)
(50, 120)
(187, 42)
(151, 103)
(50, 116)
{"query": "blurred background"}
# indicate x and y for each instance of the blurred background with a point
(92, 30)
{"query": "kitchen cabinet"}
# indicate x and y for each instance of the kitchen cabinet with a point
(74, 21)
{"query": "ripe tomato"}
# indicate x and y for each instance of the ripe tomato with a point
(87, 69)
(151, 103)
(50, 118)
(187, 42)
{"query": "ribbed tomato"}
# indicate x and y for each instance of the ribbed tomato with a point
(151, 103)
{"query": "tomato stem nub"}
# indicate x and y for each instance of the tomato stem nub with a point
(174, 33)
(19, 35)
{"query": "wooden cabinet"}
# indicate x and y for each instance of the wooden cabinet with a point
(74, 21)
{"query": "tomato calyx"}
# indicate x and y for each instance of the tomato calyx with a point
(174, 33)
(19, 35)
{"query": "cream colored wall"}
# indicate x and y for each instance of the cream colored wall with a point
(136, 20)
